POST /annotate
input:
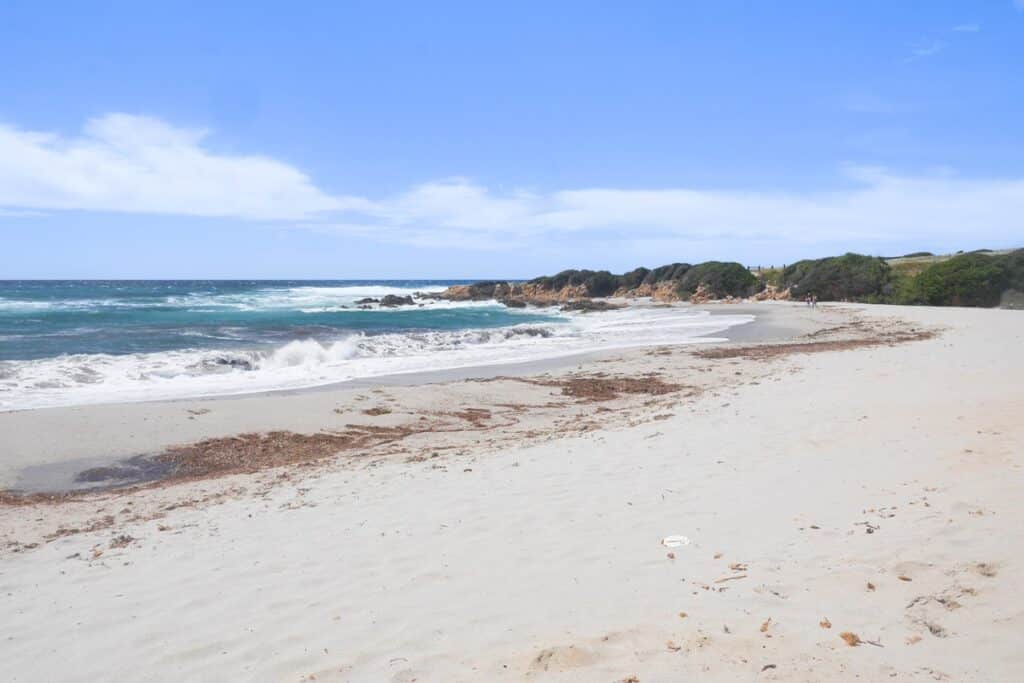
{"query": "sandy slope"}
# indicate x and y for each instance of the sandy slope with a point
(533, 551)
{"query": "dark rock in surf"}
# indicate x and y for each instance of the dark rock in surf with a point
(586, 305)
(239, 363)
(390, 301)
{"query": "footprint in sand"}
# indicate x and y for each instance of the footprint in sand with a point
(986, 569)
(562, 657)
(926, 611)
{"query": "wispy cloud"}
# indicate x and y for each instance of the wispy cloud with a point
(926, 49)
(877, 206)
(929, 48)
(140, 164)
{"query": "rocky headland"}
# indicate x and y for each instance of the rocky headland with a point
(980, 278)
(578, 289)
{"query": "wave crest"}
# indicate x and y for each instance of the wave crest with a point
(100, 378)
(309, 352)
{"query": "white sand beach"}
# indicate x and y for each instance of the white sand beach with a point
(851, 502)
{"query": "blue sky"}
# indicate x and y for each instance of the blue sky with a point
(358, 140)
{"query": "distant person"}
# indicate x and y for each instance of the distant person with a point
(814, 301)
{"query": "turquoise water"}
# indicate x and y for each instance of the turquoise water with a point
(79, 342)
(45, 319)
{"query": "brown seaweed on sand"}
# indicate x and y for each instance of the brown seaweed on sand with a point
(243, 453)
(252, 452)
(596, 388)
(772, 351)
(373, 412)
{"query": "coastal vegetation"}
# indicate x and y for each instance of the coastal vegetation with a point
(836, 278)
(590, 282)
(977, 278)
(718, 279)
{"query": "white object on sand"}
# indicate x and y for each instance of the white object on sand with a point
(675, 541)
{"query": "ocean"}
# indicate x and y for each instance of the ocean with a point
(86, 341)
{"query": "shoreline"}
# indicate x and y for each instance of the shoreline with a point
(37, 436)
(497, 356)
(758, 330)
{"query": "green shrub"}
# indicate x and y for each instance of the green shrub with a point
(595, 282)
(602, 283)
(634, 277)
(1015, 270)
(720, 279)
(852, 277)
(671, 272)
(974, 279)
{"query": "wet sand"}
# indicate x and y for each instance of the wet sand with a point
(45, 448)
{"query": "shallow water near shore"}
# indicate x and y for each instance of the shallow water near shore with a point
(89, 474)
(78, 342)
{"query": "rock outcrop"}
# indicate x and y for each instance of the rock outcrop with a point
(513, 294)
(587, 305)
(666, 291)
(712, 280)
(773, 293)
(390, 301)
(387, 301)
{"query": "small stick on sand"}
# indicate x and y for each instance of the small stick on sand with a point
(730, 578)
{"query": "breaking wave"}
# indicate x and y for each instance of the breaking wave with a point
(100, 378)
(81, 342)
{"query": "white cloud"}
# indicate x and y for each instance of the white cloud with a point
(876, 207)
(142, 165)
(137, 164)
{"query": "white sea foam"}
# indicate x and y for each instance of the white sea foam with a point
(100, 378)
(305, 298)
(308, 299)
